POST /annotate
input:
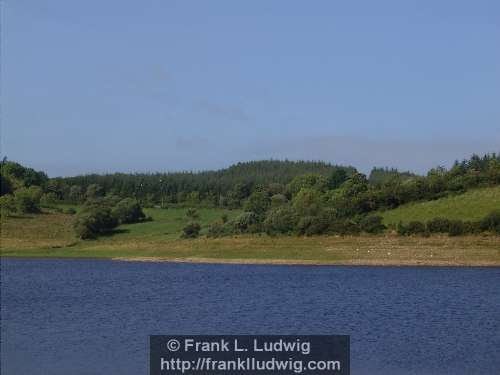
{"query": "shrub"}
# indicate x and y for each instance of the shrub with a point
(278, 200)
(372, 224)
(438, 225)
(456, 228)
(344, 227)
(192, 213)
(224, 218)
(280, 220)
(192, 230)
(244, 221)
(413, 227)
(402, 229)
(416, 227)
(128, 211)
(258, 203)
(472, 227)
(48, 199)
(491, 222)
(219, 229)
(312, 225)
(94, 191)
(90, 223)
(7, 204)
(70, 211)
(108, 201)
(26, 201)
(307, 202)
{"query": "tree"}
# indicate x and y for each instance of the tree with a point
(307, 181)
(280, 220)
(128, 211)
(5, 185)
(94, 221)
(307, 202)
(337, 178)
(27, 200)
(94, 191)
(278, 200)
(258, 202)
(354, 185)
(48, 199)
(75, 194)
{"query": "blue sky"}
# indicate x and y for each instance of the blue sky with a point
(104, 86)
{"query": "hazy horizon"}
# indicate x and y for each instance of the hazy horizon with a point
(95, 87)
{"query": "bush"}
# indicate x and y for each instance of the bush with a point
(192, 213)
(192, 230)
(70, 211)
(438, 225)
(48, 199)
(308, 202)
(472, 227)
(108, 201)
(219, 229)
(128, 211)
(278, 200)
(372, 224)
(456, 228)
(258, 203)
(413, 227)
(7, 204)
(243, 222)
(94, 191)
(402, 229)
(416, 227)
(344, 227)
(26, 201)
(312, 225)
(280, 220)
(92, 222)
(491, 222)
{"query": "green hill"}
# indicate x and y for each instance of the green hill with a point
(472, 205)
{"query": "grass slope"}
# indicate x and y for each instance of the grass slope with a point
(51, 235)
(472, 205)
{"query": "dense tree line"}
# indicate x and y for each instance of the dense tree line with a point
(22, 188)
(276, 196)
(313, 204)
(226, 187)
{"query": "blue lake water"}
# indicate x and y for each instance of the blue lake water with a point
(85, 317)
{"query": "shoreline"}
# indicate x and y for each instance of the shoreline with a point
(272, 262)
(292, 262)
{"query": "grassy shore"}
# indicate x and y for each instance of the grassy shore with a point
(50, 235)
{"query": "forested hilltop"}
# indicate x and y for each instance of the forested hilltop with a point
(276, 196)
(227, 187)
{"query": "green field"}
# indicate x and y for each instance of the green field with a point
(51, 235)
(472, 205)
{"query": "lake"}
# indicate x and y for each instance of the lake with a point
(85, 317)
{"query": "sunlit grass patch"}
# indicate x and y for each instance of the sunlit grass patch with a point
(472, 205)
